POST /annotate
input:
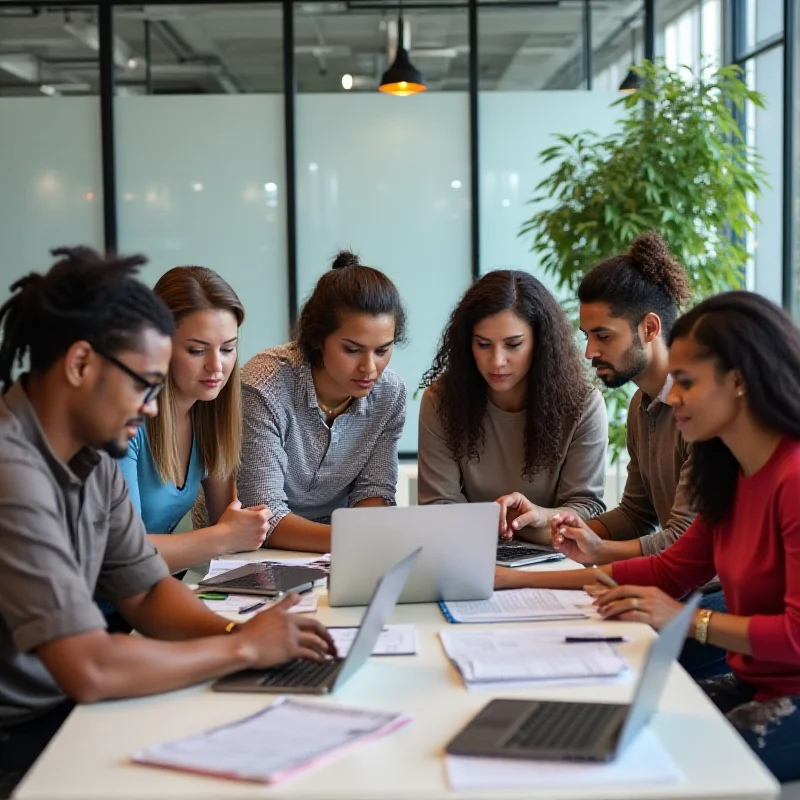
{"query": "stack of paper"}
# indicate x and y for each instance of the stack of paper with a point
(239, 603)
(517, 605)
(279, 742)
(490, 657)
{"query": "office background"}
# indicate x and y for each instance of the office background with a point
(251, 137)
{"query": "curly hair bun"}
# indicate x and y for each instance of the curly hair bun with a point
(652, 258)
(345, 259)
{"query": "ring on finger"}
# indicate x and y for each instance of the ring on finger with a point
(635, 603)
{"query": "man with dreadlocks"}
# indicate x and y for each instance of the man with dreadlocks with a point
(98, 346)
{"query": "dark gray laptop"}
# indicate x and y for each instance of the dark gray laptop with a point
(265, 578)
(304, 676)
(521, 554)
(552, 731)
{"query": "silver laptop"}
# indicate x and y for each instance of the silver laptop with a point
(543, 730)
(458, 544)
(304, 676)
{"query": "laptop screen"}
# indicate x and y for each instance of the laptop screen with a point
(656, 668)
(377, 615)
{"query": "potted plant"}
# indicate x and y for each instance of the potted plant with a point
(678, 164)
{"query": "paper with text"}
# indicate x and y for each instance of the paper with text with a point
(395, 640)
(236, 603)
(277, 743)
(517, 605)
(496, 655)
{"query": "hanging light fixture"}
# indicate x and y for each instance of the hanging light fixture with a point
(633, 81)
(402, 78)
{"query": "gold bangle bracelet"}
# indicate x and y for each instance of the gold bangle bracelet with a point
(701, 629)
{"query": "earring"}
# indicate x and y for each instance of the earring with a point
(740, 393)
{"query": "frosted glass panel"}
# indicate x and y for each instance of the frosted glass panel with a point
(510, 165)
(389, 178)
(51, 184)
(765, 131)
(200, 180)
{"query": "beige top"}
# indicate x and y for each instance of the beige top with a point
(577, 482)
(656, 490)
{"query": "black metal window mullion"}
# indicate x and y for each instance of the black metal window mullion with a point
(105, 25)
(290, 156)
(474, 141)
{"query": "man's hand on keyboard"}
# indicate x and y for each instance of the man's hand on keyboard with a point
(275, 636)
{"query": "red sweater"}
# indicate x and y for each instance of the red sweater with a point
(756, 553)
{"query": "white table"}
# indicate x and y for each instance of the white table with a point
(89, 757)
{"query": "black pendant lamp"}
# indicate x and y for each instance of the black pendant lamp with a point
(632, 82)
(402, 78)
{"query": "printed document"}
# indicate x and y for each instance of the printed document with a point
(517, 605)
(395, 640)
(277, 743)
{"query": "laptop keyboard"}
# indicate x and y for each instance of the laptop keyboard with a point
(255, 580)
(508, 552)
(561, 726)
(300, 672)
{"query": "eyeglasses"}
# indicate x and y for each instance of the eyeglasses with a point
(152, 390)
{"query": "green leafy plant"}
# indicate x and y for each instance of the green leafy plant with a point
(678, 165)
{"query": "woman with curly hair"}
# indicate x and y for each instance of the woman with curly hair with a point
(508, 412)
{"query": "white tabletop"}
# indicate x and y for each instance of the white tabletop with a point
(89, 757)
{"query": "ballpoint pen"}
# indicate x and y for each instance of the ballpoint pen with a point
(254, 607)
(592, 639)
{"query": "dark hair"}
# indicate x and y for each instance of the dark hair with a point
(748, 333)
(348, 286)
(648, 278)
(84, 296)
(556, 383)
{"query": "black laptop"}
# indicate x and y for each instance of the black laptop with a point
(265, 578)
(304, 676)
(554, 731)
(521, 554)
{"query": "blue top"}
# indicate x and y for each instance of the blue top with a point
(162, 505)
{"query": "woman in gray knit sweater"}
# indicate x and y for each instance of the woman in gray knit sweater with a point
(508, 411)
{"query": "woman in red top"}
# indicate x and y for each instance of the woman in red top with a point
(735, 360)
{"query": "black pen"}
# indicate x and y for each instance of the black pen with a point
(590, 639)
(253, 607)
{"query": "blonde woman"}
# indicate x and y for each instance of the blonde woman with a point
(196, 438)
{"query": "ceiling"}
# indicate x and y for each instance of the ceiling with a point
(237, 47)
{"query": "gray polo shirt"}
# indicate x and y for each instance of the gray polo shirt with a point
(66, 532)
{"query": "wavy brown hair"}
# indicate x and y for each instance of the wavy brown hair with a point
(556, 383)
(218, 423)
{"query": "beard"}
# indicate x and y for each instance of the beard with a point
(633, 363)
(115, 449)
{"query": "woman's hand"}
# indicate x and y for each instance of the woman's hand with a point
(517, 512)
(575, 539)
(637, 604)
(244, 529)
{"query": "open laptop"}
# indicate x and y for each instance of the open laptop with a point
(458, 544)
(521, 554)
(312, 677)
(265, 578)
(555, 731)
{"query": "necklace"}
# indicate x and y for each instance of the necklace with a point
(332, 412)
